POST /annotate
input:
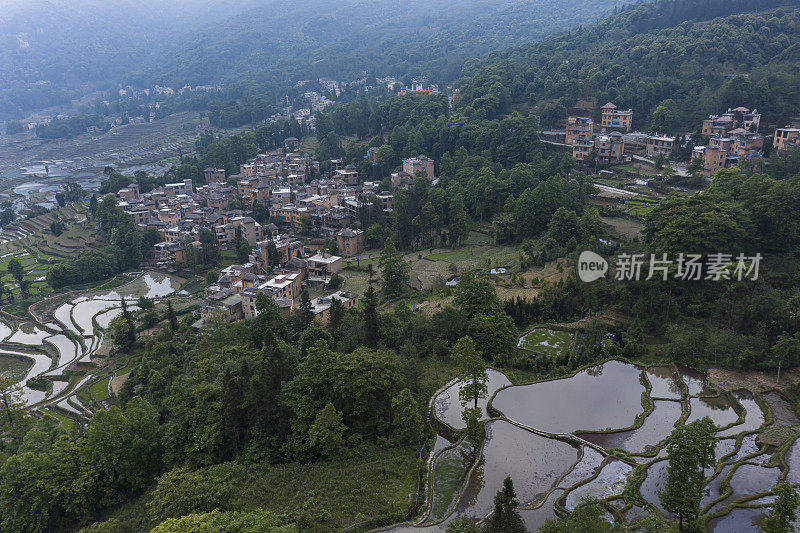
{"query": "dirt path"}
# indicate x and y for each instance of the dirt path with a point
(117, 382)
(756, 380)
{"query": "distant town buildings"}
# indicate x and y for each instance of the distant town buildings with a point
(741, 117)
(419, 86)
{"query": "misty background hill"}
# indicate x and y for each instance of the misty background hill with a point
(52, 51)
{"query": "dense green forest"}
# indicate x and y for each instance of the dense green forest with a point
(666, 54)
(70, 127)
(53, 52)
(342, 40)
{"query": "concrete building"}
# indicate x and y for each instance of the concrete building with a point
(616, 119)
(786, 137)
(214, 175)
(321, 306)
(582, 145)
(660, 144)
(324, 262)
(171, 190)
(284, 286)
(420, 164)
(610, 148)
(578, 126)
(249, 297)
(350, 242)
(285, 248)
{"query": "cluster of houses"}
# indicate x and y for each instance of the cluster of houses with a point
(290, 187)
(234, 294)
(608, 147)
(419, 86)
(732, 135)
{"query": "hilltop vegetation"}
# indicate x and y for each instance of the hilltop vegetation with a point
(343, 39)
(52, 53)
(670, 54)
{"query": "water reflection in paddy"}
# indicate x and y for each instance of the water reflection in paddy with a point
(752, 479)
(5, 330)
(440, 443)
(793, 461)
(58, 387)
(665, 382)
(754, 416)
(723, 448)
(695, 381)
(534, 463)
(714, 486)
(448, 473)
(83, 312)
(717, 408)
(656, 427)
(610, 481)
(67, 350)
(63, 315)
(29, 333)
(449, 409)
(585, 468)
(534, 518)
(738, 521)
(605, 396)
(748, 447)
(653, 483)
(104, 319)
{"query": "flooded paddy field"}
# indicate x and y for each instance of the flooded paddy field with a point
(448, 407)
(131, 147)
(602, 397)
(562, 441)
(54, 359)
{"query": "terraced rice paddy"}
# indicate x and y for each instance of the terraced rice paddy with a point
(60, 353)
(32, 244)
(540, 440)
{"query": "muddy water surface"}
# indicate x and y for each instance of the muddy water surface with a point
(534, 463)
(449, 409)
(601, 397)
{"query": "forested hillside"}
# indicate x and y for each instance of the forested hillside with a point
(51, 51)
(645, 57)
(343, 39)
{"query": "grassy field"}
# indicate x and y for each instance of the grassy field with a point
(375, 484)
(625, 227)
(63, 419)
(449, 473)
(546, 341)
(99, 389)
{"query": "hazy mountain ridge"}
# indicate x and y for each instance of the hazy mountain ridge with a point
(649, 54)
(50, 52)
